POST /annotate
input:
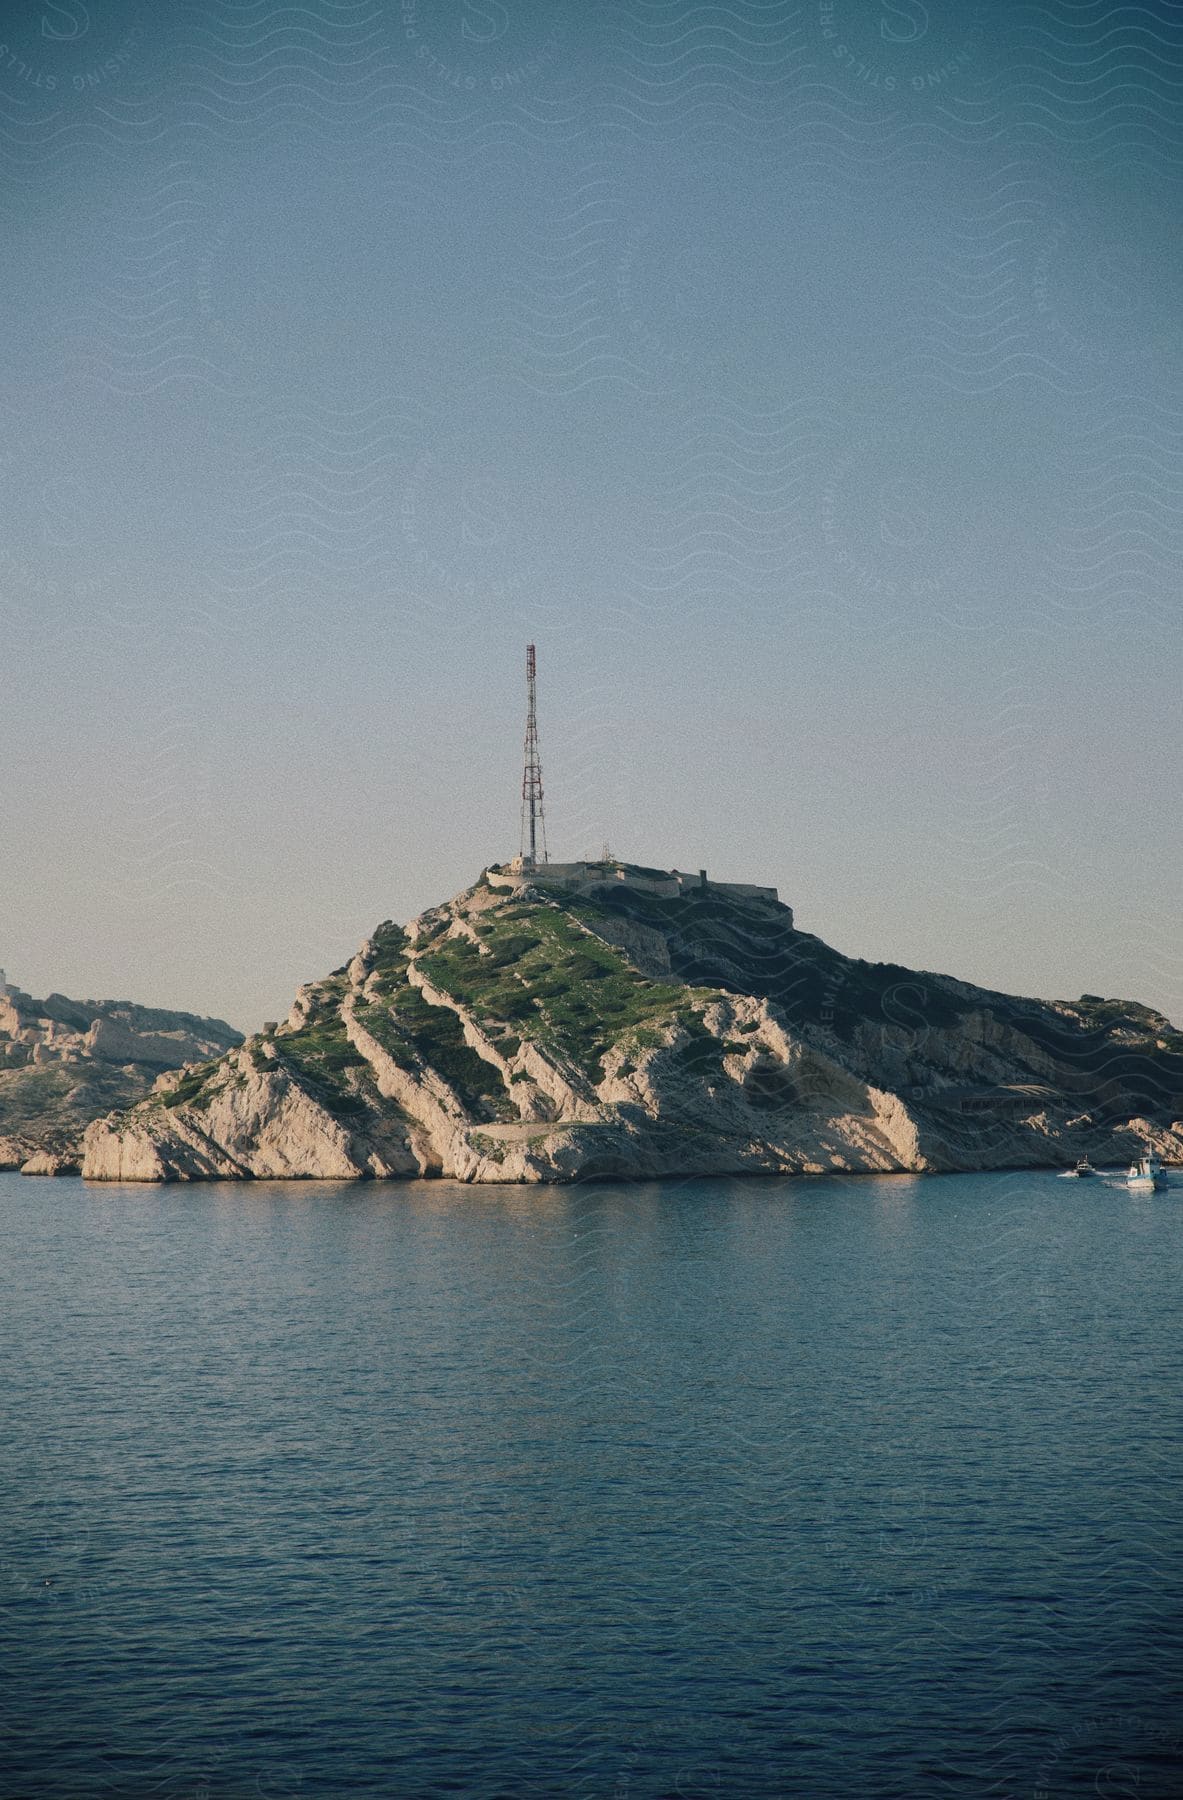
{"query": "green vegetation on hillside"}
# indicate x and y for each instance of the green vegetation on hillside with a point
(1129, 1014)
(750, 947)
(571, 994)
(317, 1055)
(320, 1055)
(414, 1033)
(195, 1088)
(389, 966)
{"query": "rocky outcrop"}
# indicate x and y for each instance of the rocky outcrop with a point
(532, 1035)
(52, 1162)
(15, 1151)
(65, 1062)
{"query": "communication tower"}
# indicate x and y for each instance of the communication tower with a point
(533, 819)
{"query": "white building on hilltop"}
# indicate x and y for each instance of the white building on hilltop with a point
(667, 884)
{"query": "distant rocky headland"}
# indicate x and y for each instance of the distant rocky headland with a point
(576, 1021)
(63, 1062)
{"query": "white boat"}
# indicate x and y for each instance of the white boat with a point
(1145, 1173)
(1083, 1167)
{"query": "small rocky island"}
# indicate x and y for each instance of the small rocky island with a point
(559, 1022)
(64, 1061)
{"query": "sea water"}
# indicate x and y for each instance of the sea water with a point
(835, 1487)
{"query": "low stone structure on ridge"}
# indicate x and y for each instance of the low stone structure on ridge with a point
(670, 884)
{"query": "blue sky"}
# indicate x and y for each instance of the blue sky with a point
(803, 380)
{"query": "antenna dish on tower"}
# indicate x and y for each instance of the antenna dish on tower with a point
(533, 818)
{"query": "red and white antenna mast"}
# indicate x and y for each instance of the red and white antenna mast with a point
(533, 819)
